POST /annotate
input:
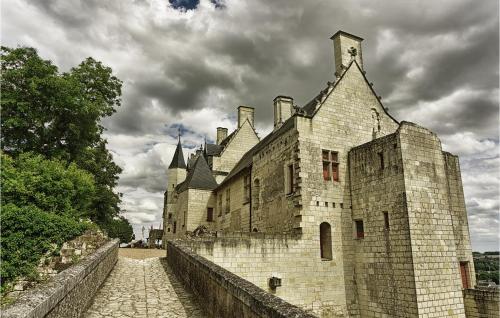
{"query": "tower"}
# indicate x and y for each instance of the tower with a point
(176, 173)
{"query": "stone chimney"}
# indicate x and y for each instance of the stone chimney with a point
(244, 113)
(221, 134)
(283, 109)
(345, 48)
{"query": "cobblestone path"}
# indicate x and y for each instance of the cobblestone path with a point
(143, 288)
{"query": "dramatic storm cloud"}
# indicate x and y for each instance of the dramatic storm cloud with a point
(188, 64)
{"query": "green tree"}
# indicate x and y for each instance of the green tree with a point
(58, 115)
(50, 185)
(120, 228)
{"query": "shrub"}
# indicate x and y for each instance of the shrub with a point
(27, 234)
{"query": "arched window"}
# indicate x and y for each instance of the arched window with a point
(325, 241)
(256, 194)
(255, 230)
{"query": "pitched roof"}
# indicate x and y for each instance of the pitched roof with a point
(178, 159)
(213, 150)
(199, 177)
(247, 159)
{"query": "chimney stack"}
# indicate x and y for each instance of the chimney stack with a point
(283, 109)
(346, 47)
(221, 134)
(244, 113)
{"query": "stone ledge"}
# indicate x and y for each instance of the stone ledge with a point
(45, 298)
(258, 301)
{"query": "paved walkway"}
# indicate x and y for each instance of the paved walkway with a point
(143, 288)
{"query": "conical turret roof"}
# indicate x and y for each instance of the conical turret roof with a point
(178, 159)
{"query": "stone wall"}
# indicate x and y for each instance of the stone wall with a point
(222, 293)
(482, 303)
(70, 292)
(308, 281)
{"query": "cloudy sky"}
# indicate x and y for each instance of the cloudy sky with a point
(188, 64)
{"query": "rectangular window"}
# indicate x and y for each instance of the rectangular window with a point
(210, 214)
(228, 200)
(290, 179)
(381, 160)
(386, 220)
(175, 227)
(220, 204)
(170, 216)
(360, 231)
(464, 273)
(330, 165)
(246, 188)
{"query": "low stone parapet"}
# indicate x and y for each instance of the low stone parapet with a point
(482, 303)
(222, 293)
(70, 292)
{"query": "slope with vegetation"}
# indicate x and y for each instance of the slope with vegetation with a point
(57, 175)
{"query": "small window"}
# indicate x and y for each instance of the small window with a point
(289, 179)
(360, 231)
(333, 204)
(228, 200)
(170, 216)
(210, 214)
(325, 241)
(341, 205)
(381, 160)
(464, 273)
(175, 227)
(256, 194)
(246, 188)
(386, 220)
(168, 230)
(326, 204)
(330, 165)
(220, 204)
(255, 230)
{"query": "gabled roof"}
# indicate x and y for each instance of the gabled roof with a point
(247, 159)
(199, 177)
(213, 150)
(178, 159)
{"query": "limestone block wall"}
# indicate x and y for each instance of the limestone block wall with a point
(70, 292)
(238, 217)
(383, 264)
(459, 214)
(244, 139)
(273, 209)
(222, 293)
(435, 263)
(307, 281)
(482, 303)
(197, 204)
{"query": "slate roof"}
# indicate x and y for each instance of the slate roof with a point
(247, 159)
(213, 150)
(178, 159)
(199, 177)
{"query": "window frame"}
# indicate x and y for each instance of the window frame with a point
(228, 201)
(359, 234)
(246, 188)
(325, 241)
(330, 161)
(210, 214)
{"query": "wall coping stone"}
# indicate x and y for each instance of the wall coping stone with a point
(42, 299)
(260, 301)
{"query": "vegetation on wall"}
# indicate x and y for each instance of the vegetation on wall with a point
(56, 169)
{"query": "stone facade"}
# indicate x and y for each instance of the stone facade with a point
(358, 214)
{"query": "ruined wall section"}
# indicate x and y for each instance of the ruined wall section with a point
(276, 206)
(385, 284)
(242, 141)
(436, 267)
(459, 214)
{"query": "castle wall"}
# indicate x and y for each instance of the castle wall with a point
(459, 214)
(180, 216)
(307, 281)
(237, 219)
(242, 141)
(197, 203)
(383, 259)
(436, 267)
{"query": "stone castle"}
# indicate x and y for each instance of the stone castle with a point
(341, 210)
